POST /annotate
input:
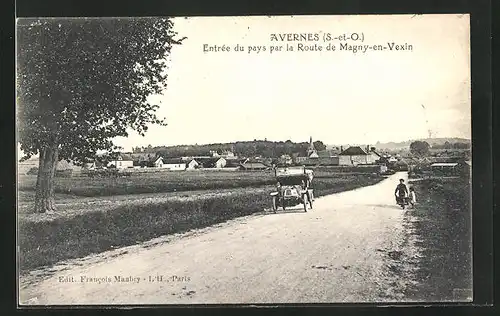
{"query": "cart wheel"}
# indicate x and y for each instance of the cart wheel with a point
(304, 201)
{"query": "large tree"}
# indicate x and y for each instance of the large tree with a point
(319, 146)
(420, 148)
(83, 82)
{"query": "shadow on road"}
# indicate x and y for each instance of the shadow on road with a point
(287, 211)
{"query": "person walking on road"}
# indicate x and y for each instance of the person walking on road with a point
(401, 192)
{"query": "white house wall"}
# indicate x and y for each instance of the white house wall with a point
(122, 164)
(221, 163)
(373, 158)
(356, 160)
(176, 167)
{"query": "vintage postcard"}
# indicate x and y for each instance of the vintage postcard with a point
(244, 160)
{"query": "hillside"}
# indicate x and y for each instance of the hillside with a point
(262, 148)
(267, 148)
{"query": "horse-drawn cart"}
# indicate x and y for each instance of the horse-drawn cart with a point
(293, 187)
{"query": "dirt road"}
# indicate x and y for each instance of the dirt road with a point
(352, 247)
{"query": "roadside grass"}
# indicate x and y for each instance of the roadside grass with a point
(81, 228)
(444, 227)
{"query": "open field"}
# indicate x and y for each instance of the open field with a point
(166, 181)
(151, 182)
(94, 224)
(443, 225)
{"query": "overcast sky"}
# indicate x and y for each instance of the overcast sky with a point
(337, 97)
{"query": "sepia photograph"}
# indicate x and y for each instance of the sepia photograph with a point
(244, 160)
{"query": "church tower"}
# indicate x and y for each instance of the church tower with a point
(311, 151)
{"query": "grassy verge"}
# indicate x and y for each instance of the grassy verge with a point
(444, 227)
(87, 229)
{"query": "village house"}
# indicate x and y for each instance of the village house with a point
(214, 153)
(444, 159)
(285, 160)
(355, 155)
(158, 162)
(191, 164)
(299, 159)
(373, 152)
(445, 168)
(123, 161)
(224, 153)
(174, 164)
(145, 160)
(212, 162)
(253, 165)
(93, 165)
(403, 164)
(313, 154)
(328, 158)
(228, 154)
(465, 167)
(233, 163)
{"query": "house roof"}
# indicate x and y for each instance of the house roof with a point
(124, 156)
(209, 162)
(256, 160)
(353, 151)
(214, 159)
(324, 153)
(174, 161)
(254, 165)
(444, 159)
(444, 164)
(376, 153)
(321, 161)
(232, 163)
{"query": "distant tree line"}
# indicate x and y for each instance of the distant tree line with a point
(422, 148)
(449, 145)
(263, 148)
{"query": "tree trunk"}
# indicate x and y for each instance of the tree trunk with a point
(44, 199)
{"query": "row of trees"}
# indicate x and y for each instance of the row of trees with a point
(422, 148)
(263, 148)
(455, 145)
